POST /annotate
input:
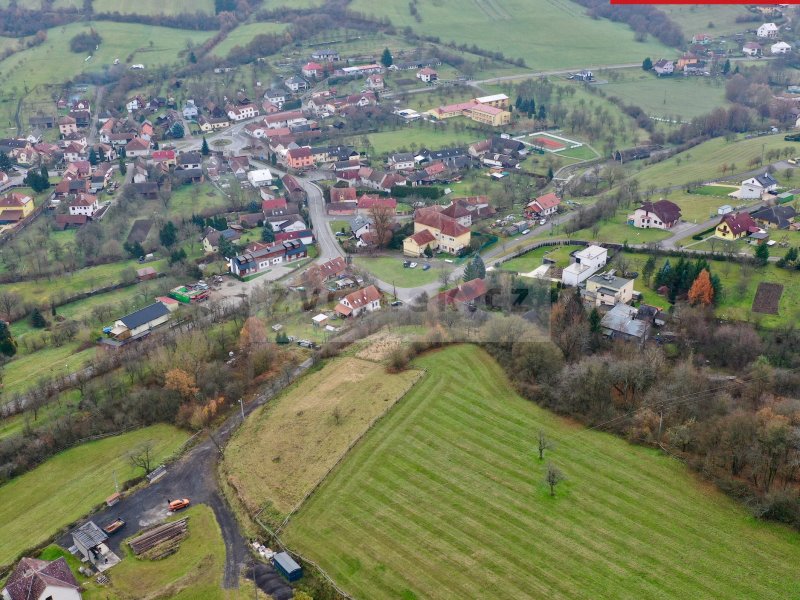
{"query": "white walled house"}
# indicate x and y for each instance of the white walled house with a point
(656, 215)
(35, 579)
(84, 204)
(367, 299)
(767, 30)
(240, 113)
(587, 262)
(756, 187)
(259, 177)
(780, 48)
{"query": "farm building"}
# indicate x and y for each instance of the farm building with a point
(140, 323)
(287, 566)
(621, 322)
(90, 541)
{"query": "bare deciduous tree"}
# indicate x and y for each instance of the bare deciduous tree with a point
(142, 456)
(544, 444)
(552, 477)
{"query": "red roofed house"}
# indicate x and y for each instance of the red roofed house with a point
(450, 235)
(137, 147)
(67, 125)
(273, 204)
(462, 296)
(367, 202)
(35, 579)
(734, 226)
(347, 194)
(367, 299)
(312, 69)
(14, 207)
(657, 215)
(84, 204)
(375, 82)
(427, 75)
(416, 244)
(299, 158)
(304, 235)
(165, 157)
(543, 206)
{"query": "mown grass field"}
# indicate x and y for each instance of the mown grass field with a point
(154, 7)
(67, 486)
(412, 137)
(446, 499)
(243, 34)
(704, 162)
(696, 208)
(285, 447)
(36, 66)
(511, 27)
(679, 98)
(391, 270)
(24, 370)
(696, 18)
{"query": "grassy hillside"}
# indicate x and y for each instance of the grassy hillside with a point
(243, 34)
(704, 162)
(445, 499)
(66, 487)
(516, 29)
(154, 7)
(287, 446)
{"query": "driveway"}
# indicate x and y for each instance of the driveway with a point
(193, 476)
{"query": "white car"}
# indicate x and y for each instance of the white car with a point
(413, 265)
(526, 232)
(543, 221)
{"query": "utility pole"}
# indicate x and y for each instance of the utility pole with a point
(242, 407)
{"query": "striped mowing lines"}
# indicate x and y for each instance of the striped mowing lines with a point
(445, 499)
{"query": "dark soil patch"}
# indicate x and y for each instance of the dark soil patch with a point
(768, 295)
(139, 231)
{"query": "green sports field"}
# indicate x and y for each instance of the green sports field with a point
(549, 34)
(36, 505)
(445, 499)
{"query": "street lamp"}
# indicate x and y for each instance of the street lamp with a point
(241, 406)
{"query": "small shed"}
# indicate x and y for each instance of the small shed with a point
(287, 566)
(113, 499)
(725, 209)
(146, 273)
(320, 320)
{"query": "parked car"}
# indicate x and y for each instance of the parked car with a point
(114, 526)
(542, 221)
(526, 232)
(406, 263)
(179, 504)
(397, 303)
(413, 265)
(426, 266)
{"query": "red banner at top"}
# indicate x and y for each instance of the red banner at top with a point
(707, 3)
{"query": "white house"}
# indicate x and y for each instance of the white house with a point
(427, 75)
(664, 67)
(587, 262)
(190, 110)
(367, 299)
(780, 48)
(133, 105)
(751, 49)
(656, 215)
(84, 204)
(276, 97)
(767, 30)
(35, 579)
(401, 161)
(756, 187)
(259, 177)
(240, 113)
(295, 84)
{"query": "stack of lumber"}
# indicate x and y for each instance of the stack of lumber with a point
(158, 535)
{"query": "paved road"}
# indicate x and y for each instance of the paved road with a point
(193, 476)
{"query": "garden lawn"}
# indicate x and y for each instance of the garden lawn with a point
(704, 161)
(511, 27)
(530, 260)
(288, 445)
(715, 190)
(696, 208)
(392, 271)
(445, 498)
(24, 370)
(618, 231)
(337, 226)
(36, 505)
(244, 34)
(193, 199)
(738, 288)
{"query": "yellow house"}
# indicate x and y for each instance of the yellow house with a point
(734, 226)
(15, 207)
(448, 234)
(490, 115)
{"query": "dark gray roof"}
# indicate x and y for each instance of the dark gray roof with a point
(89, 535)
(622, 319)
(779, 215)
(145, 315)
(286, 562)
(190, 158)
(609, 281)
(766, 180)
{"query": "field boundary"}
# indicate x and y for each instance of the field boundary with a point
(350, 446)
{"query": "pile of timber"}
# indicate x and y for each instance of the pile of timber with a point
(158, 535)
